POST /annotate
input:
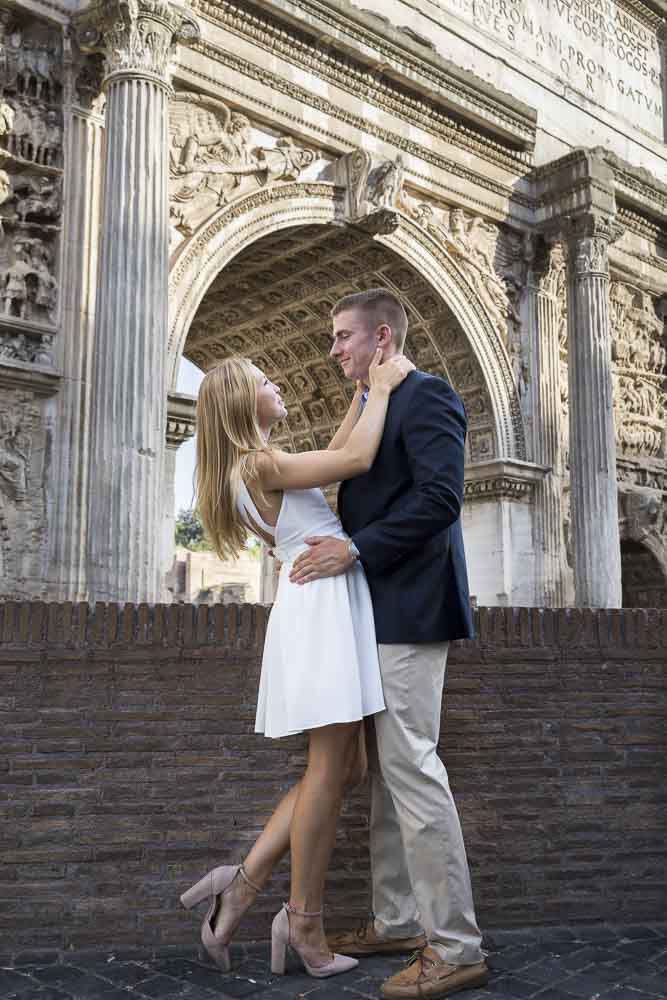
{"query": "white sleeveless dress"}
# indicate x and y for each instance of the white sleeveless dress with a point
(320, 662)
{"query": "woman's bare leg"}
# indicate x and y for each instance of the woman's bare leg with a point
(332, 750)
(271, 845)
(274, 841)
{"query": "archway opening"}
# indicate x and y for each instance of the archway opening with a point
(643, 580)
(272, 302)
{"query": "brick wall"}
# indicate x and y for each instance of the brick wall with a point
(130, 766)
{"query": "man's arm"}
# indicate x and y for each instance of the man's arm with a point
(434, 435)
(434, 432)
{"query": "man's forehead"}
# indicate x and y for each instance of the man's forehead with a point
(350, 319)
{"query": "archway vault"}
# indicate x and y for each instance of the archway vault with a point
(260, 277)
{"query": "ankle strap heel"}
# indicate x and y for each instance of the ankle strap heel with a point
(281, 941)
(248, 881)
(301, 913)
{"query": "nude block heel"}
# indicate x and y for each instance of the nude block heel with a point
(280, 941)
(199, 891)
(213, 886)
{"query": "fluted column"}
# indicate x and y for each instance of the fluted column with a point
(547, 285)
(130, 395)
(576, 203)
(84, 135)
(594, 498)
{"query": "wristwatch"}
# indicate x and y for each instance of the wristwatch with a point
(353, 550)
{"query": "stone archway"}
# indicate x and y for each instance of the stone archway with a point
(260, 277)
(644, 581)
(456, 328)
(272, 304)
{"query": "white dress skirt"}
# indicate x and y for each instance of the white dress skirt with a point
(320, 662)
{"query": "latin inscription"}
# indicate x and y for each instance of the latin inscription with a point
(593, 45)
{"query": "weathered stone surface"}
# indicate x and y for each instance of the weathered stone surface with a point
(195, 180)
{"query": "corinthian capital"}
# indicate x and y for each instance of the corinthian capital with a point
(137, 37)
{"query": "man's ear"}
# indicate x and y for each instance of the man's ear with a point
(383, 334)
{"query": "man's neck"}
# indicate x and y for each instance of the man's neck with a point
(385, 357)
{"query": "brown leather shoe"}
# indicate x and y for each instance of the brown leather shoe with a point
(365, 941)
(428, 975)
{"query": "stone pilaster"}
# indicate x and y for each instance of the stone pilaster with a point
(594, 491)
(576, 203)
(546, 287)
(129, 411)
(84, 141)
(180, 428)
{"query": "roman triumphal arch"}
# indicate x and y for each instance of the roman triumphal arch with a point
(195, 180)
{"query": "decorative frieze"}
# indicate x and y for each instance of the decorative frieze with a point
(24, 451)
(639, 372)
(473, 244)
(213, 159)
(19, 347)
(31, 151)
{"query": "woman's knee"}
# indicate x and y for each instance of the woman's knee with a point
(332, 753)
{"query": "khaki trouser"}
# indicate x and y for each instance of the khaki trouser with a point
(418, 860)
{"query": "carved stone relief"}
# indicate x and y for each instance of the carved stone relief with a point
(490, 259)
(272, 304)
(31, 86)
(31, 149)
(23, 458)
(214, 159)
(640, 377)
(643, 516)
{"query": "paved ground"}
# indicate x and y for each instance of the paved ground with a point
(593, 963)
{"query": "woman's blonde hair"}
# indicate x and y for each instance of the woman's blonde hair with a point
(229, 441)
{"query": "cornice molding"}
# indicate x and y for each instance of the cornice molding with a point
(638, 190)
(365, 57)
(501, 479)
(181, 417)
(278, 84)
(40, 381)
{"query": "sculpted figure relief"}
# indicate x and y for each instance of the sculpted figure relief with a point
(639, 356)
(472, 241)
(212, 159)
(28, 290)
(640, 412)
(14, 458)
(35, 133)
(385, 184)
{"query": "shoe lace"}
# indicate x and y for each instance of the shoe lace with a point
(416, 956)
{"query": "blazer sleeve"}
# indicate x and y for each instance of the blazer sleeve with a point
(434, 430)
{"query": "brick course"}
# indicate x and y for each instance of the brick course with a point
(129, 766)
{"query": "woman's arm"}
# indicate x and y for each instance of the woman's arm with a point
(285, 471)
(349, 421)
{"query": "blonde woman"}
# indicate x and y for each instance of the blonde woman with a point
(320, 671)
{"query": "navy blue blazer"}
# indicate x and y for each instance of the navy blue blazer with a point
(404, 516)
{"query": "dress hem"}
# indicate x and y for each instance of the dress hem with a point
(318, 725)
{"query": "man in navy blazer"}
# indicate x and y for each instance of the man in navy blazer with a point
(403, 521)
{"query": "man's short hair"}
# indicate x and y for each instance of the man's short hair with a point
(379, 306)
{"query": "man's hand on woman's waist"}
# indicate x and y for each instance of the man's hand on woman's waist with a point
(327, 556)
